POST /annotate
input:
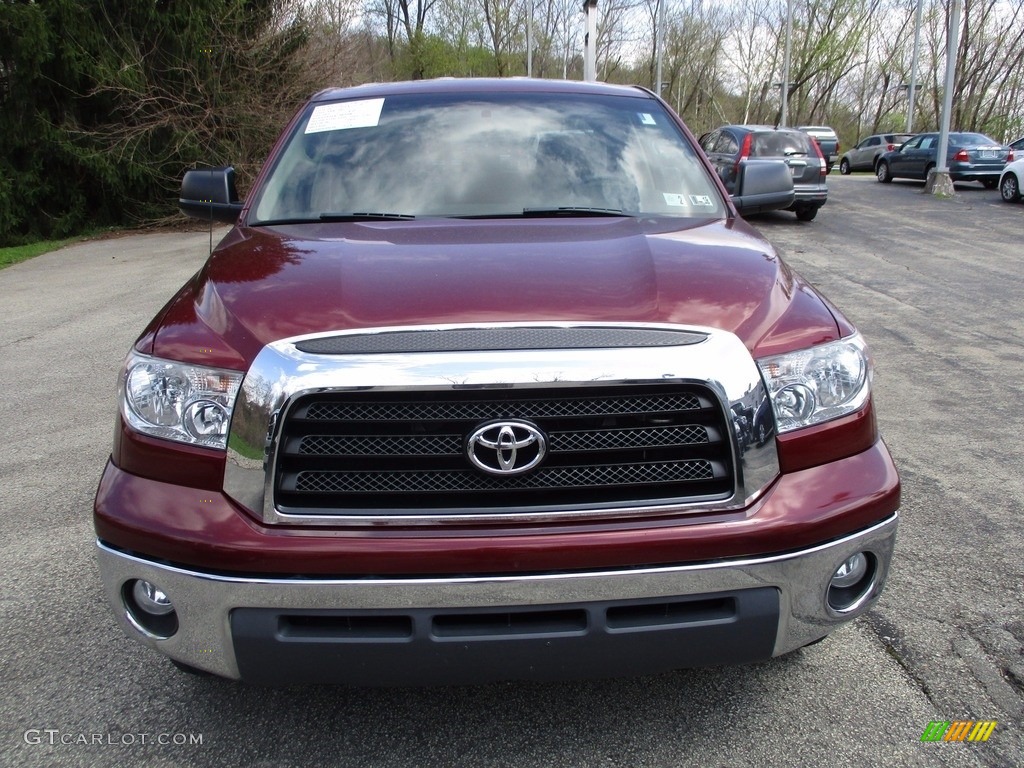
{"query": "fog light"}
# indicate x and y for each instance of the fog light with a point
(149, 609)
(853, 583)
(151, 598)
(850, 571)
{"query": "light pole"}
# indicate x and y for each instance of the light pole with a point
(939, 183)
(660, 43)
(785, 65)
(590, 41)
(913, 68)
(529, 41)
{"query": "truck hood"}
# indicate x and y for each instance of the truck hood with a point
(267, 283)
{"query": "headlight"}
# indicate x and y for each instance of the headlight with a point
(188, 403)
(814, 385)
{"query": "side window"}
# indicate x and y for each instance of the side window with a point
(874, 141)
(727, 144)
(912, 144)
(927, 142)
(707, 141)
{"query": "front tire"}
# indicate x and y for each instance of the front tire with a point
(990, 183)
(882, 173)
(844, 167)
(1009, 188)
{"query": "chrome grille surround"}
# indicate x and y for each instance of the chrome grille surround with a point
(281, 374)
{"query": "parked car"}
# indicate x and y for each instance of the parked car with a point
(970, 156)
(726, 147)
(490, 380)
(864, 156)
(1010, 181)
(827, 139)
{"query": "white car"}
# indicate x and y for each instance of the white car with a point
(1010, 181)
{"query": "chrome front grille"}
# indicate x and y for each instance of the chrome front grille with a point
(405, 452)
(362, 428)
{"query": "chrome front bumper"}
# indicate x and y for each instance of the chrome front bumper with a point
(204, 602)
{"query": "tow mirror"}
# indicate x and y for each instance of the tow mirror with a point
(210, 194)
(763, 185)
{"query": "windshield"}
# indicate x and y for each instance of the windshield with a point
(473, 155)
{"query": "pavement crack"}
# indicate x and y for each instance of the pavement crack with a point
(892, 641)
(17, 341)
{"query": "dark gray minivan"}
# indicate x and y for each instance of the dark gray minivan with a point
(727, 146)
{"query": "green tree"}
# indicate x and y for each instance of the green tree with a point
(103, 105)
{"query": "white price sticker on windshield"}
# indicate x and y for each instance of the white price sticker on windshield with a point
(675, 200)
(344, 115)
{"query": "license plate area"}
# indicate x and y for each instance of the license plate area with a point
(796, 167)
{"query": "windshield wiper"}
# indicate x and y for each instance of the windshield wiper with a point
(336, 216)
(365, 216)
(572, 211)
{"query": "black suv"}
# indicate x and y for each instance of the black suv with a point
(727, 146)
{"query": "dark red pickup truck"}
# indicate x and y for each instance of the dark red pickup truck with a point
(490, 380)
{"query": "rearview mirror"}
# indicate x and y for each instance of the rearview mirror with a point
(763, 185)
(210, 194)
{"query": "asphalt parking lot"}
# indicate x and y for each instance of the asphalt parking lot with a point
(936, 288)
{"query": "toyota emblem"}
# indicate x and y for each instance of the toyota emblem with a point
(506, 447)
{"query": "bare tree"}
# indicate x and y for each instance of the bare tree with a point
(695, 38)
(753, 56)
(505, 24)
(568, 23)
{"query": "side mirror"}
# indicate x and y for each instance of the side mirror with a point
(763, 185)
(210, 194)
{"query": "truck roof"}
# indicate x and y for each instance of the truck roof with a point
(470, 84)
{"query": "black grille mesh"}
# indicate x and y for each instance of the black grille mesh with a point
(405, 453)
(380, 445)
(458, 481)
(525, 409)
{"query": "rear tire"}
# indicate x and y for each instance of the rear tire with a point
(844, 167)
(1009, 188)
(882, 172)
(806, 213)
